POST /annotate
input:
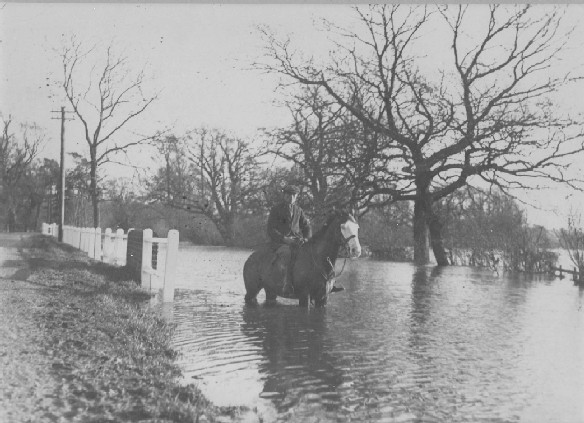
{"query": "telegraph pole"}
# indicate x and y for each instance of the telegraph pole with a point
(62, 175)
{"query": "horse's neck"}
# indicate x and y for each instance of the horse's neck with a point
(327, 248)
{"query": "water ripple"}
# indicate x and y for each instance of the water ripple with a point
(399, 344)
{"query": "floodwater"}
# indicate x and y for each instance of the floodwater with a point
(400, 344)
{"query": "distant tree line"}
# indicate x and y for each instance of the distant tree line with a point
(26, 181)
(217, 190)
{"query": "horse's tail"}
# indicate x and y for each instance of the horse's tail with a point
(252, 272)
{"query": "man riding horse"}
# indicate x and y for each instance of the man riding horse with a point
(288, 229)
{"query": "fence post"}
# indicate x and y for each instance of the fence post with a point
(91, 242)
(145, 276)
(107, 246)
(118, 245)
(85, 235)
(170, 265)
(88, 240)
(78, 238)
(97, 244)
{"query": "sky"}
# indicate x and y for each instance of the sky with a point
(198, 56)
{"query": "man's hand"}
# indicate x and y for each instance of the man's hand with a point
(288, 240)
(299, 241)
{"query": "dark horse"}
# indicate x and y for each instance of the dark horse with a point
(314, 268)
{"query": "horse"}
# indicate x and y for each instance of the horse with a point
(313, 270)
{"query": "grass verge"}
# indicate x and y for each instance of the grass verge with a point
(111, 355)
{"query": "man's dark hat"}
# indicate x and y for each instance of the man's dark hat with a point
(290, 189)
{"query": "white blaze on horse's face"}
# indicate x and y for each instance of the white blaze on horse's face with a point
(350, 229)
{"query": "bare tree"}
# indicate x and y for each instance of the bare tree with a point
(17, 156)
(308, 142)
(229, 177)
(209, 173)
(177, 176)
(486, 116)
(106, 96)
(335, 152)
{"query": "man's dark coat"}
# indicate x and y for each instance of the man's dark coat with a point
(287, 220)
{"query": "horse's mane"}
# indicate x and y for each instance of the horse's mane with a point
(332, 218)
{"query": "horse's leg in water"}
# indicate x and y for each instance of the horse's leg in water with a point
(320, 303)
(303, 300)
(251, 297)
(270, 297)
(252, 282)
(252, 290)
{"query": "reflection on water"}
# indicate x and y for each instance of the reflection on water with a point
(399, 344)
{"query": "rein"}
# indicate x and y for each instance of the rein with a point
(332, 274)
(346, 240)
(326, 276)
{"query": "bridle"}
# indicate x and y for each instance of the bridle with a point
(331, 274)
(346, 240)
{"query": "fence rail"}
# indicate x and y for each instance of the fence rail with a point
(577, 275)
(159, 255)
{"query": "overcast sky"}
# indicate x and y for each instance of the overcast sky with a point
(199, 57)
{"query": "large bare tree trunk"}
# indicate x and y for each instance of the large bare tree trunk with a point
(436, 240)
(94, 190)
(421, 247)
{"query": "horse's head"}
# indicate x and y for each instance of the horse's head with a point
(350, 234)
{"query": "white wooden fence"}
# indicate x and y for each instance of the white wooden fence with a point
(111, 247)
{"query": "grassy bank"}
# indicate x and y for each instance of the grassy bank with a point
(110, 354)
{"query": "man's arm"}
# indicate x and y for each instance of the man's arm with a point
(273, 233)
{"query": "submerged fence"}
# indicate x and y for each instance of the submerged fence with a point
(577, 274)
(151, 260)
